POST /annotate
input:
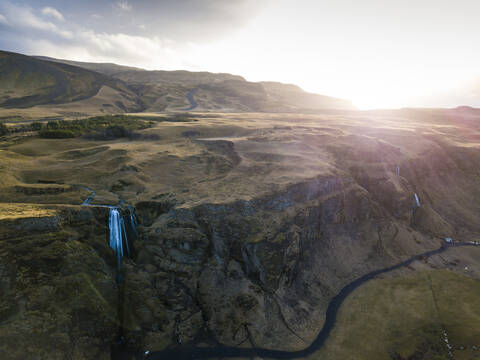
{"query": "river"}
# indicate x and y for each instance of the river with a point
(191, 100)
(191, 352)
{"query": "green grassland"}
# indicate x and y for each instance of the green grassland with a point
(119, 125)
(403, 317)
(200, 152)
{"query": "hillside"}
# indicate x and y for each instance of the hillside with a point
(109, 69)
(167, 91)
(294, 97)
(249, 225)
(26, 82)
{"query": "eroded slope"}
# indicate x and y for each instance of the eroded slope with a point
(250, 223)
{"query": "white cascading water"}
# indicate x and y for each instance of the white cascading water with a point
(117, 231)
(134, 222)
(417, 201)
(116, 225)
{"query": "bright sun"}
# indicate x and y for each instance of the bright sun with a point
(413, 86)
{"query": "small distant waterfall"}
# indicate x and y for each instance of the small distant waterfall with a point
(415, 206)
(417, 201)
(90, 197)
(133, 220)
(118, 235)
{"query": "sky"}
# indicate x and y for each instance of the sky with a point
(376, 53)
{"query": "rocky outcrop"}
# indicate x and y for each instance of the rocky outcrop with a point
(58, 296)
(210, 269)
(261, 272)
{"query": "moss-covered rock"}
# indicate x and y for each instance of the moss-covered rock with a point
(59, 297)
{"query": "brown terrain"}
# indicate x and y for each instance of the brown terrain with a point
(251, 219)
(249, 224)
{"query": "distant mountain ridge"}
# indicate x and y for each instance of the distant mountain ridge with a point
(28, 81)
(109, 69)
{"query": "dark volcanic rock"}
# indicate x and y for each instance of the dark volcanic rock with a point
(259, 271)
(58, 297)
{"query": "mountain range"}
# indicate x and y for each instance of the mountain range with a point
(72, 88)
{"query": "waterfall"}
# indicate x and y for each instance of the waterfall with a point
(117, 234)
(417, 201)
(134, 223)
(122, 222)
(90, 197)
(117, 226)
(133, 220)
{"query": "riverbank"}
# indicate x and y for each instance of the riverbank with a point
(330, 321)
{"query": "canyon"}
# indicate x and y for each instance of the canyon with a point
(249, 224)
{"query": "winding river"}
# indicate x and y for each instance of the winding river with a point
(186, 352)
(191, 100)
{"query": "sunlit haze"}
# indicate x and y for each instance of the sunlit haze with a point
(376, 53)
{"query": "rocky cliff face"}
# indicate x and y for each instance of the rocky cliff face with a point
(243, 239)
(261, 272)
(58, 296)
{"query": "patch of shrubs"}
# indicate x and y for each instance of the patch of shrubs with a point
(110, 133)
(108, 127)
(36, 126)
(182, 117)
(56, 133)
(3, 129)
(117, 132)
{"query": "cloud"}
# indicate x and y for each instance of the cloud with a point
(170, 23)
(28, 23)
(87, 45)
(86, 36)
(22, 20)
(52, 12)
(27, 32)
(123, 6)
(182, 20)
